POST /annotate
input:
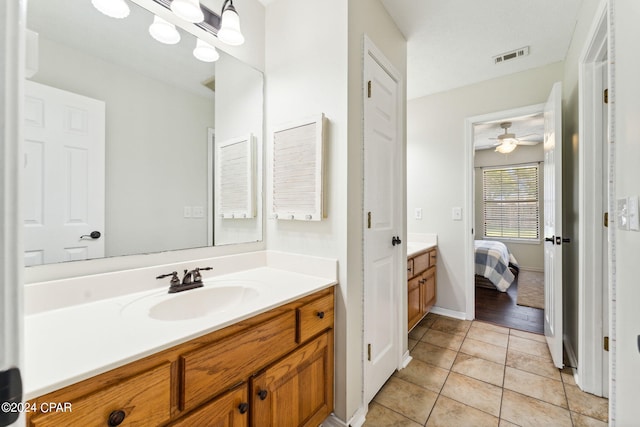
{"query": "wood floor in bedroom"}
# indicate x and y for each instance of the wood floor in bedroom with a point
(500, 308)
(476, 374)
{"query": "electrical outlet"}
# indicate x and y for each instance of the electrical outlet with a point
(198, 212)
(187, 211)
(634, 221)
(418, 213)
(622, 213)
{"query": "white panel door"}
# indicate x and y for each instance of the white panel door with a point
(382, 200)
(553, 223)
(63, 175)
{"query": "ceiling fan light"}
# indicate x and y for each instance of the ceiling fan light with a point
(205, 52)
(506, 147)
(189, 10)
(229, 31)
(112, 8)
(163, 31)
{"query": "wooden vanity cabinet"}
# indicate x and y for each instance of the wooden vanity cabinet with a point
(284, 355)
(422, 289)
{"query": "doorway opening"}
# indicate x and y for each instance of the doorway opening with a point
(508, 218)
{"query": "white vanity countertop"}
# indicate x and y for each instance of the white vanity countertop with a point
(70, 344)
(420, 242)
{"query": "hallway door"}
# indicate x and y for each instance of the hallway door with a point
(553, 224)
(382, 226)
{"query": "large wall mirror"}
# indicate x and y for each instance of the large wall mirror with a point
(121, 138)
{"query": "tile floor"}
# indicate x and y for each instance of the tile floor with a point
(477, 374)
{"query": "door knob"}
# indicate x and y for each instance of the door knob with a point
(93, 235)
(550, 239)
(395, 240)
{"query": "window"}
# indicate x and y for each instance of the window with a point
(511, 208)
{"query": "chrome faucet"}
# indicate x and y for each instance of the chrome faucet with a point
(192, 279)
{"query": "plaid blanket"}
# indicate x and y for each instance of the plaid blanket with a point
(492, 261)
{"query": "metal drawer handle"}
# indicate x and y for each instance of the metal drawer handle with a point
(320, 314)
(262, 394)
(116, 418)
(243, 407)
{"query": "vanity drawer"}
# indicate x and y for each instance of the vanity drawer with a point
(420, 263)
(217, 367)
(410, 268)
(226, 410)
(433, 258)
(315, 317)
(143, 399)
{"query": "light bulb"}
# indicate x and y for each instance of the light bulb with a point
(112, 8)
(205, 52)
(189, 10)
(229, 31)
(164, 31)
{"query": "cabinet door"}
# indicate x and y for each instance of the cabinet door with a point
(428, 289)
(414, 304)
(229, 410)
(298, 389)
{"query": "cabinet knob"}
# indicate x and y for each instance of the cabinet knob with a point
(243, 407)
(116, 418)
(262, 394)
(320, 314)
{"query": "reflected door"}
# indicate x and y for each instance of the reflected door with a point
(63, 175)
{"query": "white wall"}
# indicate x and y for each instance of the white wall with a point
(155, 148)
(626, 34)
(436, 170)
(530, 256)
(313, 68)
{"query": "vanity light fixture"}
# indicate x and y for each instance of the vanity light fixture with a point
(229, 31)
(205, 52)
(507, 146)
(112, 8)
(164, 31)
(189, 10)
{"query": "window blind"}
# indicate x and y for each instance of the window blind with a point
(511, 207)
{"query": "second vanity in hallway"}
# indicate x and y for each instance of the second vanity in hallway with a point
(421, 276)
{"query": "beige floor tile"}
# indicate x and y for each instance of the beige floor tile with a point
(505, 423)
(490, 327)
(417, 332)
(434, 355)
(478, 394)
(534, 348)
(587, 404)
(580, 420)
(528, 335)
(411, 343)
(543, 388)
(379, 416)
(485, 335)
(442, 339)
(408, 399)
(484, 350)
(533, 364)
(479, 369)
(526, 411)
(425, 375)
(567, 376)
(451, 326)
(427, 321)
(448, 413)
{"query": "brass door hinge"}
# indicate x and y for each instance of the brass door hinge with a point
(369, 89)
(606, 219)
(368, 219)
(605, 96)
(369, 352)
(606, 343)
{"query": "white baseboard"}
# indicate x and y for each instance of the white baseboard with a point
(573, 360)
(449, 313)
(406, 358)
(534, 269)
(333, 421)
(358, 418)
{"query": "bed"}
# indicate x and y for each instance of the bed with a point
(496, 267)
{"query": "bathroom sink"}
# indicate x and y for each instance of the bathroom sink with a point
(194, 303)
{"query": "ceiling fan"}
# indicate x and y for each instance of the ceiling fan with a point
(507, 142)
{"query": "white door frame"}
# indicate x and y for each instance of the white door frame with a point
(590, 241)
(403, 357)
(469, 221)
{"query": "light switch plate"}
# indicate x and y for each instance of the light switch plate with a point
(187, 211)
(622, 213)
(418, 213)
(456, 214)
(198, 212)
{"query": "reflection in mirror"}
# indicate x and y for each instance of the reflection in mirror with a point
(120, 133)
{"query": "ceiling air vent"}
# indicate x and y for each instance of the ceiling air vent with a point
(507, 56)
